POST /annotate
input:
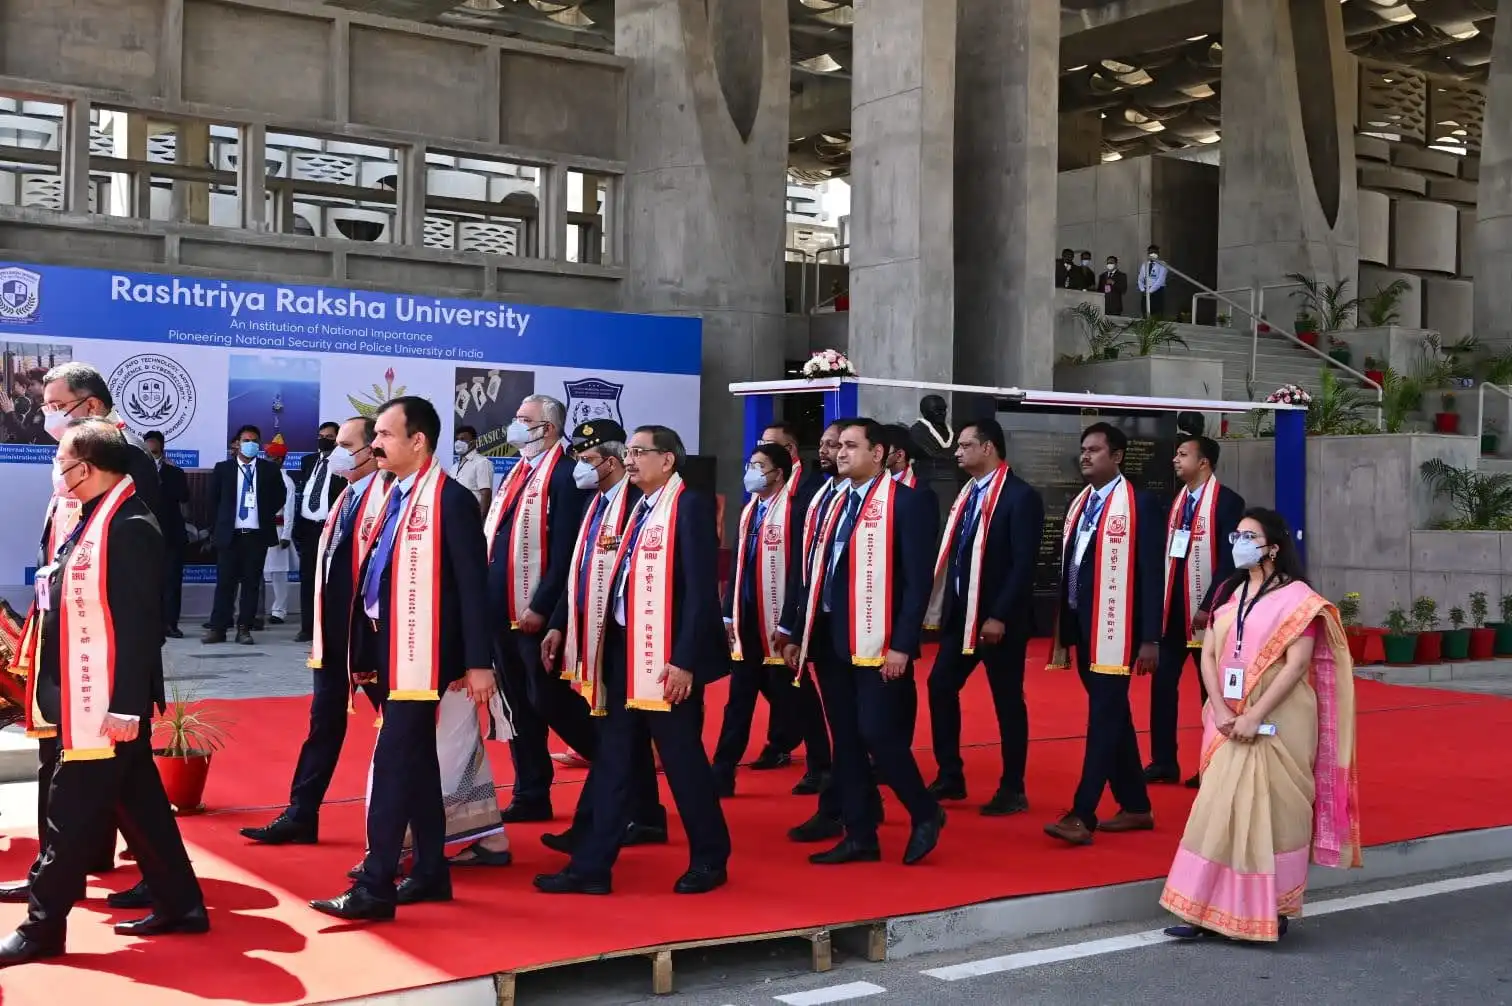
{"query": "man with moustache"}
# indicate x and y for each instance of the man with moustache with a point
(339, 552)
(663, 642)
(420, 624)
(319, 489)
(531, 526)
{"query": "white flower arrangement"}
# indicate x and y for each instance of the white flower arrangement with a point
(1289, 394)
(828, 363)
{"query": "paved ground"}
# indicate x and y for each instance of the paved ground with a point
(275, 665)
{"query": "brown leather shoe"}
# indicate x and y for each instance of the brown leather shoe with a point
(1070, 829)
(1125, 821)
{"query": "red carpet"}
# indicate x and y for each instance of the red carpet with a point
(268, 947)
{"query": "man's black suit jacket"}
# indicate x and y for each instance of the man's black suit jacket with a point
(794, 559)
(1010, 557)
(462, 591)
(1148, 577)
(564, 516)
(225, 500)
(173, 494)
(333, 484)
(916, 521)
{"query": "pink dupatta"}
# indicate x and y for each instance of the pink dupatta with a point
(1279, 619)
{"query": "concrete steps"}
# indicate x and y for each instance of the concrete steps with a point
(1486, 676)
(1277, 360)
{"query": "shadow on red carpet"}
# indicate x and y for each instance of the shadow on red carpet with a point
(268, 947)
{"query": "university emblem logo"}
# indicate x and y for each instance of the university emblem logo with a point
(419, 518)
(83, 556)
(1118, 525)
(772, 535)
(1199, 527)
(20, 296)
(592, 399)
(154, 392)
(873, 511)
(653, 539)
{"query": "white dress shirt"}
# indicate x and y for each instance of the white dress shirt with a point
(403, 487)
(317, 506)
(624, 573)
(475, 472)
(246, 473)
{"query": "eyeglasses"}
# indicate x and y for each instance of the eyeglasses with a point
(640, 452)
(1246, 536)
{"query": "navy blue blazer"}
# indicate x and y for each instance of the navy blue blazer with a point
(1228, 512)
(798, 571)
(466, 635)
(564, 515)
(699, 642)
(1012, 552)
(916, 520)
(225, 500)
(1149, 577)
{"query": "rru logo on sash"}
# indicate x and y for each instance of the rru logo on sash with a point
(653, 540)
(1118, 526)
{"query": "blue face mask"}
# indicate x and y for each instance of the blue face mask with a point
(249, 449)
(1247, 554)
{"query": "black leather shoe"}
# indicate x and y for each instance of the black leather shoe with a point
(948, 789)
(244, 638)
(356, 905)
(136, 896)
(700, 880)
(562, 841)
(923, 838)
(1161, 774)
(413, 891)
(189, 924)
(567, 882)
(523, 813)
(644, 834)
(770, 759)
(284, 830)
(818, 828)
(811, 784)
(15, 894)
(847, 851)
(17, 949)
(174, 633)
(1002, 804)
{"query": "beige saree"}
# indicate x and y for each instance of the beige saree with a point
(1267, 809)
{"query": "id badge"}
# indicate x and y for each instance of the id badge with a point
(1181, 540)
(42, 583)
(249, 500)
(1233, 683)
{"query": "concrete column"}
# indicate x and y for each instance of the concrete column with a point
(1288, 200)
(252, 177)
(75, 165)
(1493, 211)
(704, 214)
(130, 192)
(414, 185)
(902, 254)
(191, 200)
(1007, 135)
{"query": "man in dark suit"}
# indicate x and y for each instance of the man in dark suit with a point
(173, 501)
(318, 489)
(77, 391)
(527, 576)
(773, 523)
(246, 495)
(670, 549)
(1198, 560)
(805, 478)
(1110, 603)
(439, 638)
(865, 664)
(351, 460)
(98, 767)
(985, 581)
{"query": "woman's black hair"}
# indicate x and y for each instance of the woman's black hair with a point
(1288, 561)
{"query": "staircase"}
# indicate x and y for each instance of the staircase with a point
(1278, 360)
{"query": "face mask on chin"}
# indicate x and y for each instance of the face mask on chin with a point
(585, 476)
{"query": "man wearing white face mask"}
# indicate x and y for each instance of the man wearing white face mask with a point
(531, 527)
(472, 470)
(78, 391)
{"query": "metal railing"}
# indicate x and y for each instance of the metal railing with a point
(1480, 406)
(803, 261)
(1288, 285)
(1255, 321)
(1201, 296)
(818, 255)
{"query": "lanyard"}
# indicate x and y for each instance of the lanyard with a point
(1243, 613)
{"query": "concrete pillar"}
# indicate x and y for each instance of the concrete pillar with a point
(191, 200)
(1493, 211)
(130, 192)
(1007, 135)
(902, 254)
(1288, 199)
(704, 211)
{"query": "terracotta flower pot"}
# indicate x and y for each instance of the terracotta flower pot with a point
(1482, 643)
(184, 779)
(1430, 647)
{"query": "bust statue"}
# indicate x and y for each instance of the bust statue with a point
(933, 438)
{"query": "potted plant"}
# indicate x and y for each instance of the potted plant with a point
(1504, 628)
(1400, 641)
(1307, 327)
(1490, 438)
(1482, 638)
(1447, 421)
(1349, 614)
(183, 741)
(1425, 619)
(1456, 643)
(1375, 370)
(1338, 350)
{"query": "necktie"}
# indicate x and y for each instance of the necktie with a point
(842, 536)
(623, 573)
(1088, 523)
(317, 486)
(965, 533)
(343, 524)
(246, 490)
(753, 540)
(379, 560)
(1188, 510)
(823, 508)
(590, 547)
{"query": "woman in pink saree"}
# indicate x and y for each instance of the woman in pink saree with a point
(1279, 786)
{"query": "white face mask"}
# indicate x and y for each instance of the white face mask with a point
(755, 481)
(341, 462)
(59, 480)
(527, 440)
(55, 422)
(1112, 266)
(1247, 554)
(1154, 256)
(585, 476)
(461, 447)
(1086, 262)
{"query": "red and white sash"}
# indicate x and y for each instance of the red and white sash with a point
(972, 577)
(868, 573)
(527, 532)
(61, 519)
(1201, 560)
(1112, 579)
(907, 477)
(648, 602)
(812, 518)
(414, 622)
(771, 572)
(86, 641)
(369, 509)
(585, 617)
(795, 479)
